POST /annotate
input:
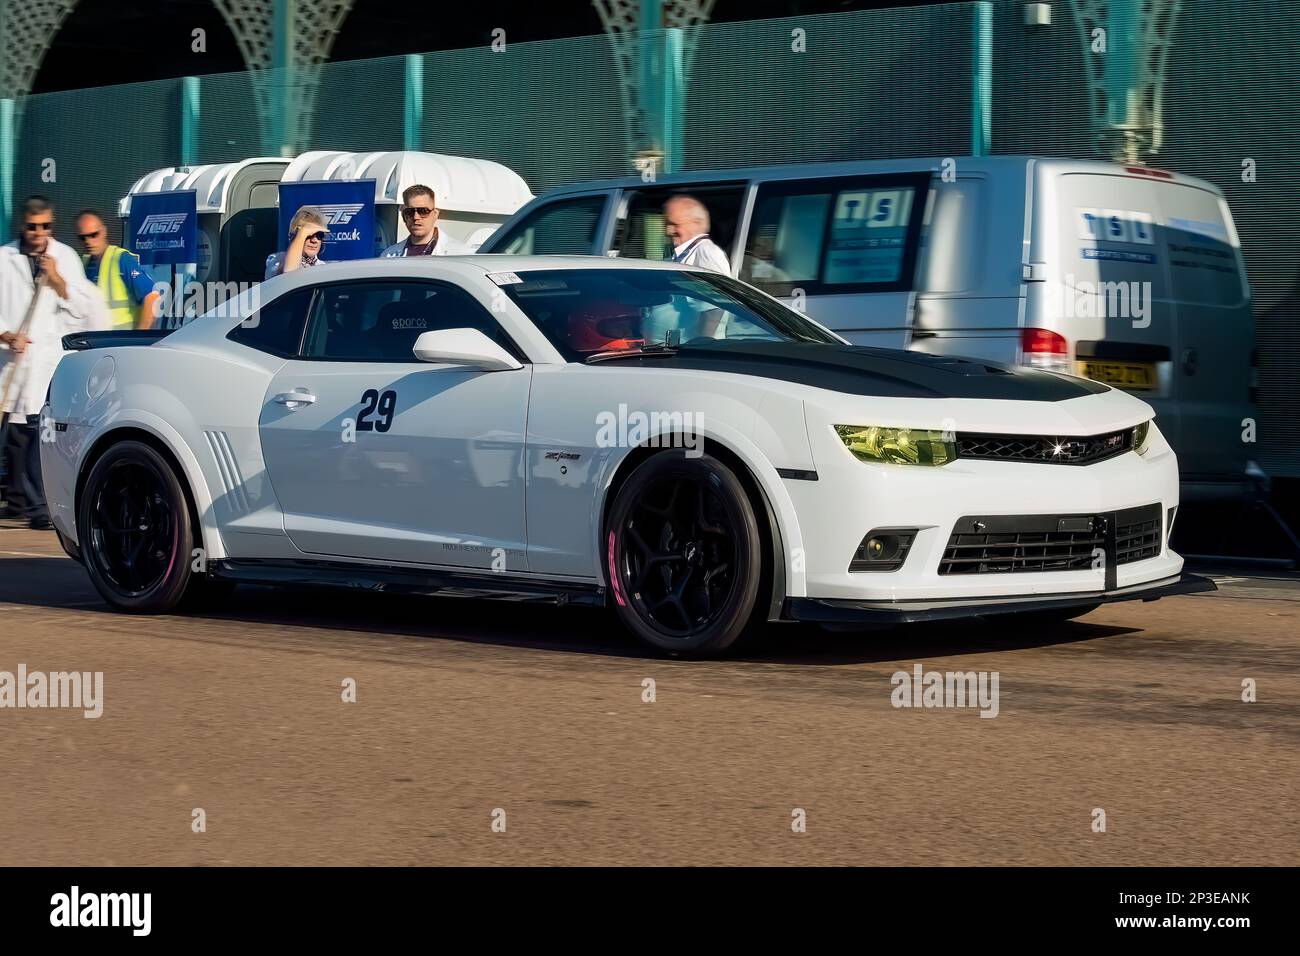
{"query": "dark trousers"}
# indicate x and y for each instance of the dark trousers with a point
(23, 486)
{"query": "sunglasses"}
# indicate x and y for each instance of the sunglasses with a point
(39, 226)
(420, 211)
(83, 236)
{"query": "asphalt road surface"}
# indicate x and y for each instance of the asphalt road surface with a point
(469, 713)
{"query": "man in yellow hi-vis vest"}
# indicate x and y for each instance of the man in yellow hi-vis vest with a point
(120, 278)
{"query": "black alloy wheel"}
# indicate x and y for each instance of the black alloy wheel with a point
(684, 554)
(135, 530)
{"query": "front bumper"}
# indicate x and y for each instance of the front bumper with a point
(843, 611)
(851, 498)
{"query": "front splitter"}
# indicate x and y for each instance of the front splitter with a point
(845, 611)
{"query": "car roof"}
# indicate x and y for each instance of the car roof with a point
(472, 267)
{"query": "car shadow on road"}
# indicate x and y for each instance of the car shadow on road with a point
(59, 583)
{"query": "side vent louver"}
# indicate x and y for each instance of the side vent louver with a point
(232, 482)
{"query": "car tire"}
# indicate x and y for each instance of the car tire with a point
(136, 531)
(1044, 618)
(684, 555)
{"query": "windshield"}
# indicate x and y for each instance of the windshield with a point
(587, 312)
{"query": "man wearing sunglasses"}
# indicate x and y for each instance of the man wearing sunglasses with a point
(118, 274)
(420, 214)
(44, 296)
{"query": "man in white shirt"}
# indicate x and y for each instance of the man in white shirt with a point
(420, 213)
(43, 279)
(686, 223)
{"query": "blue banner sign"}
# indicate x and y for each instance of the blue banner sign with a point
(164, 227)
(349, 210)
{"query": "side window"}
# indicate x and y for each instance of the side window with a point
(564, 227)
(641, 234)
(277, 326)
(380, 321)
(840, 235)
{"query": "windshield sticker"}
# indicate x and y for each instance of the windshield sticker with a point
(504, 278)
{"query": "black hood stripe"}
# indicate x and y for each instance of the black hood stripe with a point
(887, 373)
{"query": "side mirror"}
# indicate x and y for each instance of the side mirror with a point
(464, 347)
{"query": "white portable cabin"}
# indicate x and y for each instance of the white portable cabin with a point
(474, 196)
(238, 203)
(229, 198)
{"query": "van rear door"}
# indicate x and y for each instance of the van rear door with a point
(1149, 289)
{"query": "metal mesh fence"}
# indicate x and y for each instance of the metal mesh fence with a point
(86, 147)
(870, 85)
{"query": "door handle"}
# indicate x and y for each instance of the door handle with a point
(296, 397)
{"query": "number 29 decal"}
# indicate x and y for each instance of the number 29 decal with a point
(372, 401)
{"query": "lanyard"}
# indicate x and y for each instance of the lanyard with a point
(690, 247)
(428, 246)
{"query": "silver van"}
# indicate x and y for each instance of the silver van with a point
(1129, 275)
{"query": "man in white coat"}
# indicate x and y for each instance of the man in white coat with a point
(36, 265)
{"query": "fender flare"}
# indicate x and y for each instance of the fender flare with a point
(788, 538)
(171, 439)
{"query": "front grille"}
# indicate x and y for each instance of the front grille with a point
(1017, 544)
(1044, 449)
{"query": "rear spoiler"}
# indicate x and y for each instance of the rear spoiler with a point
(81, 341)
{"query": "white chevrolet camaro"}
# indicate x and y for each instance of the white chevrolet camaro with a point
(668, 441)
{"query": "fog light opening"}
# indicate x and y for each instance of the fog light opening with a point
(883, 549)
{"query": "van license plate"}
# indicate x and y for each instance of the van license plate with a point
(1137, 376)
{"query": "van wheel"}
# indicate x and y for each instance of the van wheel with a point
(684, 555)
(135, 529)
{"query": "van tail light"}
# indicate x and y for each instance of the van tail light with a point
(1043, 348)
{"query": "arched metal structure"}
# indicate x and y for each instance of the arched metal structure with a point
(283, 42)
(1126, 83)
(27, 27)
(653, 42)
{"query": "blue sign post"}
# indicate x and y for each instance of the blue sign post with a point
(349, 210)
(164, 227)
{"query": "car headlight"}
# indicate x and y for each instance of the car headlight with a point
(1142, 438)
(897, 446)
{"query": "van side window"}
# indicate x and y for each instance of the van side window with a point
(564, 227)
(839, 235)
(641, 233)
